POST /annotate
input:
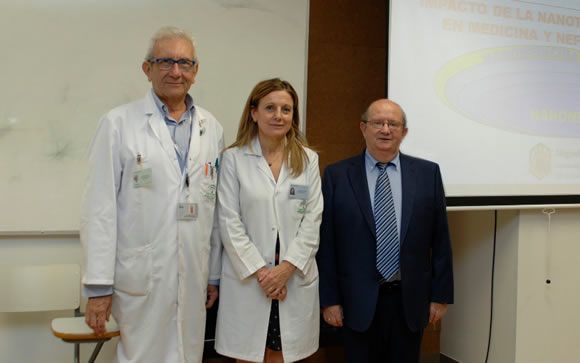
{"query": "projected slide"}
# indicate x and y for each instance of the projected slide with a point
(492, 92)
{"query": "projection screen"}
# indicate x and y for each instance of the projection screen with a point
(491, 90)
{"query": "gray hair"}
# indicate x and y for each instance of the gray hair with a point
(365, 115)
(167, 32)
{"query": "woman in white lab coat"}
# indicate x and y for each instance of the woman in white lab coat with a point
(269, 208)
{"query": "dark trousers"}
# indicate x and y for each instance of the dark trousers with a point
(388, 340)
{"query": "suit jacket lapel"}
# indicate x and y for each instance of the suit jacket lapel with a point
(360, 187)
(408, 184)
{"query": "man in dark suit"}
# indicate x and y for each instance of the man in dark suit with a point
(384, 309)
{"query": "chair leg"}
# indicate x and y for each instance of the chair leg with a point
(96, 352)
(77, 353)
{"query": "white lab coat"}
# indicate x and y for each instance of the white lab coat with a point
(158, 266)
(253, 208)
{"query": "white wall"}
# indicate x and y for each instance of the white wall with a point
(472, 244)
(548, 318)
(533, 322)
(26, 337)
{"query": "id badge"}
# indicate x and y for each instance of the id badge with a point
(186, 211)
(298, 192)
(142, 178)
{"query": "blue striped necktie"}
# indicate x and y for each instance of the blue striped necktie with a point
(386, 226)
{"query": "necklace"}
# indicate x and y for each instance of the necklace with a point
(273, 160)
(273, 156)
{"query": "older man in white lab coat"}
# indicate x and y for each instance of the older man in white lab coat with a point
(148, 213)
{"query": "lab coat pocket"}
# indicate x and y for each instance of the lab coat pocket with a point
(133, 270)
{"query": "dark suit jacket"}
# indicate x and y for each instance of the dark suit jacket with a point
(347, 254)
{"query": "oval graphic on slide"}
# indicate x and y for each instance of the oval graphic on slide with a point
(528, 89)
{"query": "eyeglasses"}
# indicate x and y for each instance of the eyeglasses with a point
(166, 64)
(379, 124)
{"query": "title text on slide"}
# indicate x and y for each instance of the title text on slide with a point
(502, 11)
(509, 31)
(557, 32)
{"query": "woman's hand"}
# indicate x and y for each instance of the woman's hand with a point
(280, 295)
(274, 281)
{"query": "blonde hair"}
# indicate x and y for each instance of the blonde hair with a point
(294, 152)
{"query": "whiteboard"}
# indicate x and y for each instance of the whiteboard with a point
(66, 62)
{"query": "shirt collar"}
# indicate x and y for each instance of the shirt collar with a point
(371, 163)
(189, 105)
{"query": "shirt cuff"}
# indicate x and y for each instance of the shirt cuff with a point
(97, 290)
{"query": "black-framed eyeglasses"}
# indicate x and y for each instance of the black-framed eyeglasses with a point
(379, 124)
(166, 64)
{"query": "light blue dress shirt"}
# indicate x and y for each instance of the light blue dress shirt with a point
(180, 131)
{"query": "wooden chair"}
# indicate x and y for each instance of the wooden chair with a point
(49, 288)
(74, 330)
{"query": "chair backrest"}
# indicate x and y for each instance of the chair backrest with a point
(39, 288)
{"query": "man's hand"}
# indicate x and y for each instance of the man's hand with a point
(98, 312)
(436, 312)
(212, 295)
(333, 315)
